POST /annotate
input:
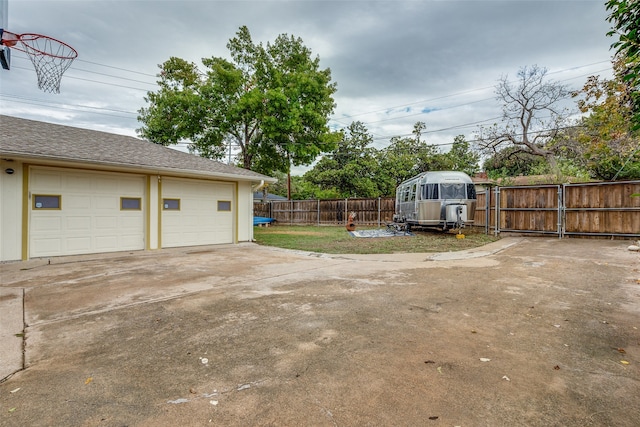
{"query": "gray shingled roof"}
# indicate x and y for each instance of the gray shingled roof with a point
(30, 139)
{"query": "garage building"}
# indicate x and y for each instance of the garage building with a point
(68, 191)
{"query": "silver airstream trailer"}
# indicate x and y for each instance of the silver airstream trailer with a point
(443, 200)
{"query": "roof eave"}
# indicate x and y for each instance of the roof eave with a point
(138, 168)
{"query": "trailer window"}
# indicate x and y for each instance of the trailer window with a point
(453, 191)
(471, 191)
(407, 192)
(430, 191)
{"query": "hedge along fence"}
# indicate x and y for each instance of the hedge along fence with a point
(598, 209)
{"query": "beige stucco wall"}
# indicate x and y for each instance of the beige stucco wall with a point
(153, 215)
(10, 211)
(245, 212)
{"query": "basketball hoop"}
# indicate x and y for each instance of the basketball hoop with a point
(50, 57)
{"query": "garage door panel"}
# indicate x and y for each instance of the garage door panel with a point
(106, 243)
(172, 219)
(77, 245)
(47, 224)
(106, 222)
(190, 238)
(49, 182)
(90, 219)
(79, 223)
(205, 205)
(129, 222)
(79, 181)
(125, 188)
(174, 240)
(76, 201)
(189, 205)
(129, 242)
(44, 246)
(104, 184)
(106, 203)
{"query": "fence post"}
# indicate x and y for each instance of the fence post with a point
(379, 211)
(318, 215)
(496, 231)
(346, 210)
(290, 212)
(487, 210)
(559, 225)
(561, 206)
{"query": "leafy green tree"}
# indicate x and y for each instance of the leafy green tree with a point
(461, 157)
(407, 157)
(510, 162)
(279, 188)
(304, 190)
(605, 142)
(273, 102)
(531, 116)
(351, 169)
(404, 158)
(300, 189)
(624, 15)
(355, 169)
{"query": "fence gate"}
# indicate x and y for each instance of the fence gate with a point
(530, 209)
(588, 209)
(602, 209)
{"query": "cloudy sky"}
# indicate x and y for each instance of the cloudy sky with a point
(395, 62)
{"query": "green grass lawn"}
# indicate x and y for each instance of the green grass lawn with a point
(337, 240)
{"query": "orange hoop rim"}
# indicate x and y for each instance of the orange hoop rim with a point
(26, 38)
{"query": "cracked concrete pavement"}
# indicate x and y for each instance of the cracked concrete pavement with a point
(524, 331)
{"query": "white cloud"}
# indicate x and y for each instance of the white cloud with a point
(390, 59)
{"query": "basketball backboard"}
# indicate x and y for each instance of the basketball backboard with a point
(5, 52)
(4, 13)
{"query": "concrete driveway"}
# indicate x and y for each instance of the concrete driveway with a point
(528, 332)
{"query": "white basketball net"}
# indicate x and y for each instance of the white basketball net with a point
(50, 57)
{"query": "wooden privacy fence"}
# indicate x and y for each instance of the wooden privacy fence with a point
(328, 212)
(520, 209)
(590, 209)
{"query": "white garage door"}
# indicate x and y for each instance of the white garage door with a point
(79, 212)
(196, 212)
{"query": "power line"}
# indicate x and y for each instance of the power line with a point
(33, 101)
(116, 68)
(455, 106)
(44, 104)
(97, 110)
(110, 75)
(429, 100)
(113, 76)
(458, 106)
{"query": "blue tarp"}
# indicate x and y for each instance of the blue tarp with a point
(257, 220)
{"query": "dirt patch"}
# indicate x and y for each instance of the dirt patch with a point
(533, 335)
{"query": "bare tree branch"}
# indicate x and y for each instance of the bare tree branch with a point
(531, 114)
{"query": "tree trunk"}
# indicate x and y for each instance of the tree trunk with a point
(288, 176)
(553, 165)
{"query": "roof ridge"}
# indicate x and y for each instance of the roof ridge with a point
(49, 141)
